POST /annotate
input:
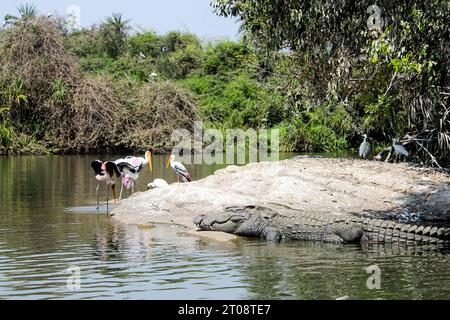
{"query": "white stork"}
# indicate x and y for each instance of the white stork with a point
(130, 167)
(157, 183)
(104, 172)
(364, 148)
(179, 169)
(399, 149)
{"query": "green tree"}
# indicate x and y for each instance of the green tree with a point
(148, 43)
(120, 25)
(388, 64)
(26, 11)
(113, 33)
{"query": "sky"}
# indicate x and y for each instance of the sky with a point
(194, 16)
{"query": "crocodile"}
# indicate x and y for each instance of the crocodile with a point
(284, 223)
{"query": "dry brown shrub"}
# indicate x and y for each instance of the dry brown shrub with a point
(86, 122)
(82, 114)
(156, 110)
(33, 51)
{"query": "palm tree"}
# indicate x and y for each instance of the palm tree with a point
(114, 34)
(26, 11)
(118, 24)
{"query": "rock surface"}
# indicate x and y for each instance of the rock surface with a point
(309, 184)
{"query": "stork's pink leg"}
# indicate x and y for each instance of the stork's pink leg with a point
(107, 199)
(121, 190)
(96, 192)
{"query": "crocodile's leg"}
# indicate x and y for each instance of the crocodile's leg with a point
(272, 234)
(332, 232)
(347, 232)
(314, 235)
(328, 237)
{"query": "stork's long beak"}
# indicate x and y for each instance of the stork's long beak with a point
(148, 155)
(168, 162)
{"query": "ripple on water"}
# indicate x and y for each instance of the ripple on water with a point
(123, 262)
(40, 239)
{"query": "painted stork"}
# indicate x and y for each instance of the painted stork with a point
(104, 172)
(130, 167)
(179, 169)
(157, 183)
(364, 148)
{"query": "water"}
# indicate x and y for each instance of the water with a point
(40, 240)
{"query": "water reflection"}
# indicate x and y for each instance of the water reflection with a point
(325, 271)
(39, 240)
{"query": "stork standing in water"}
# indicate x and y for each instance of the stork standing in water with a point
(104, 172)
(130, 167)
(179, 169)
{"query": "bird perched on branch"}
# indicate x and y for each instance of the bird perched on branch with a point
(364, 148)
(130, 167)
(104, 172)
(179, 169)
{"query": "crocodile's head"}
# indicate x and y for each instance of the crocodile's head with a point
(227, 221)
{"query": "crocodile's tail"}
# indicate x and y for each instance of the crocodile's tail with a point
(359, 229)
(383, 231)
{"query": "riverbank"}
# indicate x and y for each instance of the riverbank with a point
(310, 184)
(129, 93)
(48, 212)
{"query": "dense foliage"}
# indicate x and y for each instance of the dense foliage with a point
(384, 68)
(321, 72)
(49, 103)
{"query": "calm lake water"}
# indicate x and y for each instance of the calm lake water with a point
(40, 239)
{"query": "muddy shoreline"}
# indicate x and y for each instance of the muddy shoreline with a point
(308, 184)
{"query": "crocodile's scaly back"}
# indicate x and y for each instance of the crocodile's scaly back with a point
(289, 223)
